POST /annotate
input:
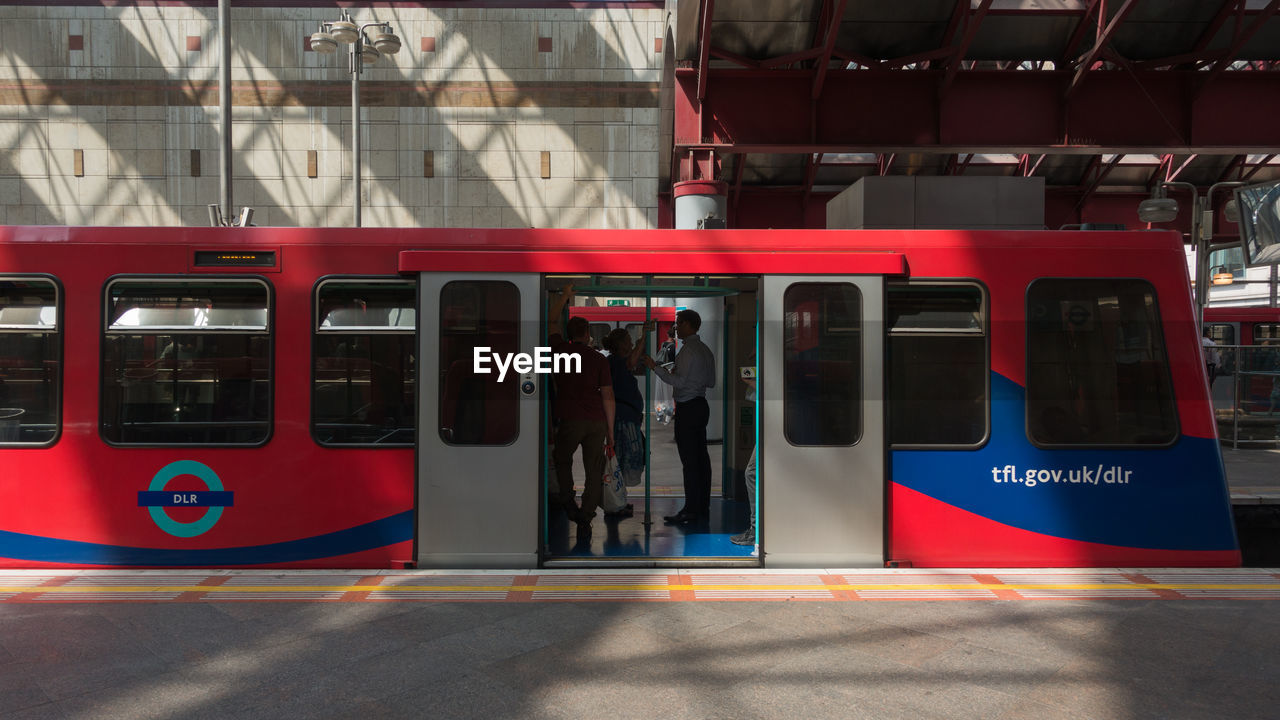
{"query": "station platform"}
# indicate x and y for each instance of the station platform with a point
(1006, 644)
(1253, 474)
(657, 585)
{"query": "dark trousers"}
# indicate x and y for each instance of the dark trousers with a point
(691, 441)
(590, 436)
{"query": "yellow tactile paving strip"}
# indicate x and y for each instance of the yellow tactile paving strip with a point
(92, 586)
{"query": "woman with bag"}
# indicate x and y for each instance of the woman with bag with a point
(624, 355)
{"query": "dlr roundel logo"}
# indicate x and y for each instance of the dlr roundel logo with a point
(156, 499)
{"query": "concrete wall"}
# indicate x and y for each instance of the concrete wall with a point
(458, 129)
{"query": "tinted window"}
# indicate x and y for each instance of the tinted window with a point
(30, 360)
(1097, 369)
(1224, 334)
(186, 362)
(1227, 261)
(1265, 331)
(937, 365)
(598, 332)
(363, 379)
(476, 409)
(822, 353)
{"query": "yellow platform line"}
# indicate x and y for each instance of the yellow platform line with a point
(746, 588)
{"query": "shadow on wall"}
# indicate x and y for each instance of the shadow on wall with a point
(464, 146)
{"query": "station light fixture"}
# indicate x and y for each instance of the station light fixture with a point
(323, 42)
(387, 43)
(1231, 211)
(345, 31)
(1159, 208)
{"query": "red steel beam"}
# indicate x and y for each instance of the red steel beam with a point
(1265, 160)
(1103, 41)
(884, 164)
(953, 26)
(1236, 165)
(1242, 37)
(707, 8)
(1035, 167)
(1174, 175)
(735, 58)
(1161, 173)
(892, 63)
(790, 58)
(970, 32)
(985, 111)
(1101, 173)
(1228, 8)
(1078, 34)
(810, 175)
(815, 40)
(1187, 61)
(837, 15)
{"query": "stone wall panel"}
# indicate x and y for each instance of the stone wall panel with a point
(500, 87)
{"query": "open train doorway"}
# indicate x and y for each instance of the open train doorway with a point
(634, 321)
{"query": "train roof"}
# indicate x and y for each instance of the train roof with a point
(1231, 314)
(539, 240)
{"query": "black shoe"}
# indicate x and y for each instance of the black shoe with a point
(682, 517)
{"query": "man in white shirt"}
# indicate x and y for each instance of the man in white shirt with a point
(1211, 356)
(694, 372)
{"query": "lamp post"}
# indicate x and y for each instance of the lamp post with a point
(1159, 208)
(346, 32)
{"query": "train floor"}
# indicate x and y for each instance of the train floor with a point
(631, 537)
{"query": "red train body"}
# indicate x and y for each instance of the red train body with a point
(292, 502)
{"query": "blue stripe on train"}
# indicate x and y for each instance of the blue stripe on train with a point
(379, 533)
(1175, 498)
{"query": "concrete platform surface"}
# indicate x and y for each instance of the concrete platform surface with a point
(137, 652)
(1253, 474)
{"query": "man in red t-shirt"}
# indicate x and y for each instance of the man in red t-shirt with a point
(584, 407)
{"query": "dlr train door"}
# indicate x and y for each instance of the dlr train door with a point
(478, 438)
(822, 421)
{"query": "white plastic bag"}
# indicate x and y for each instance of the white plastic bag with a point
(614, 498)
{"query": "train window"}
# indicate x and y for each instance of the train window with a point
(1097, 368)
(30, 361)
(362, 390)
(598, 331)
(937, 364)
(1227, 260)
(476, 409)
(821, 363)
(1224, 334)
(1265, 331)
(187, 362)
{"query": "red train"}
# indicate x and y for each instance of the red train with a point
(182, 397)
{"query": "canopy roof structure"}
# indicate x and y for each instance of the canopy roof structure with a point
(791, 101)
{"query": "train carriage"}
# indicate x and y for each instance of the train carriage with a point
(299, 397)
